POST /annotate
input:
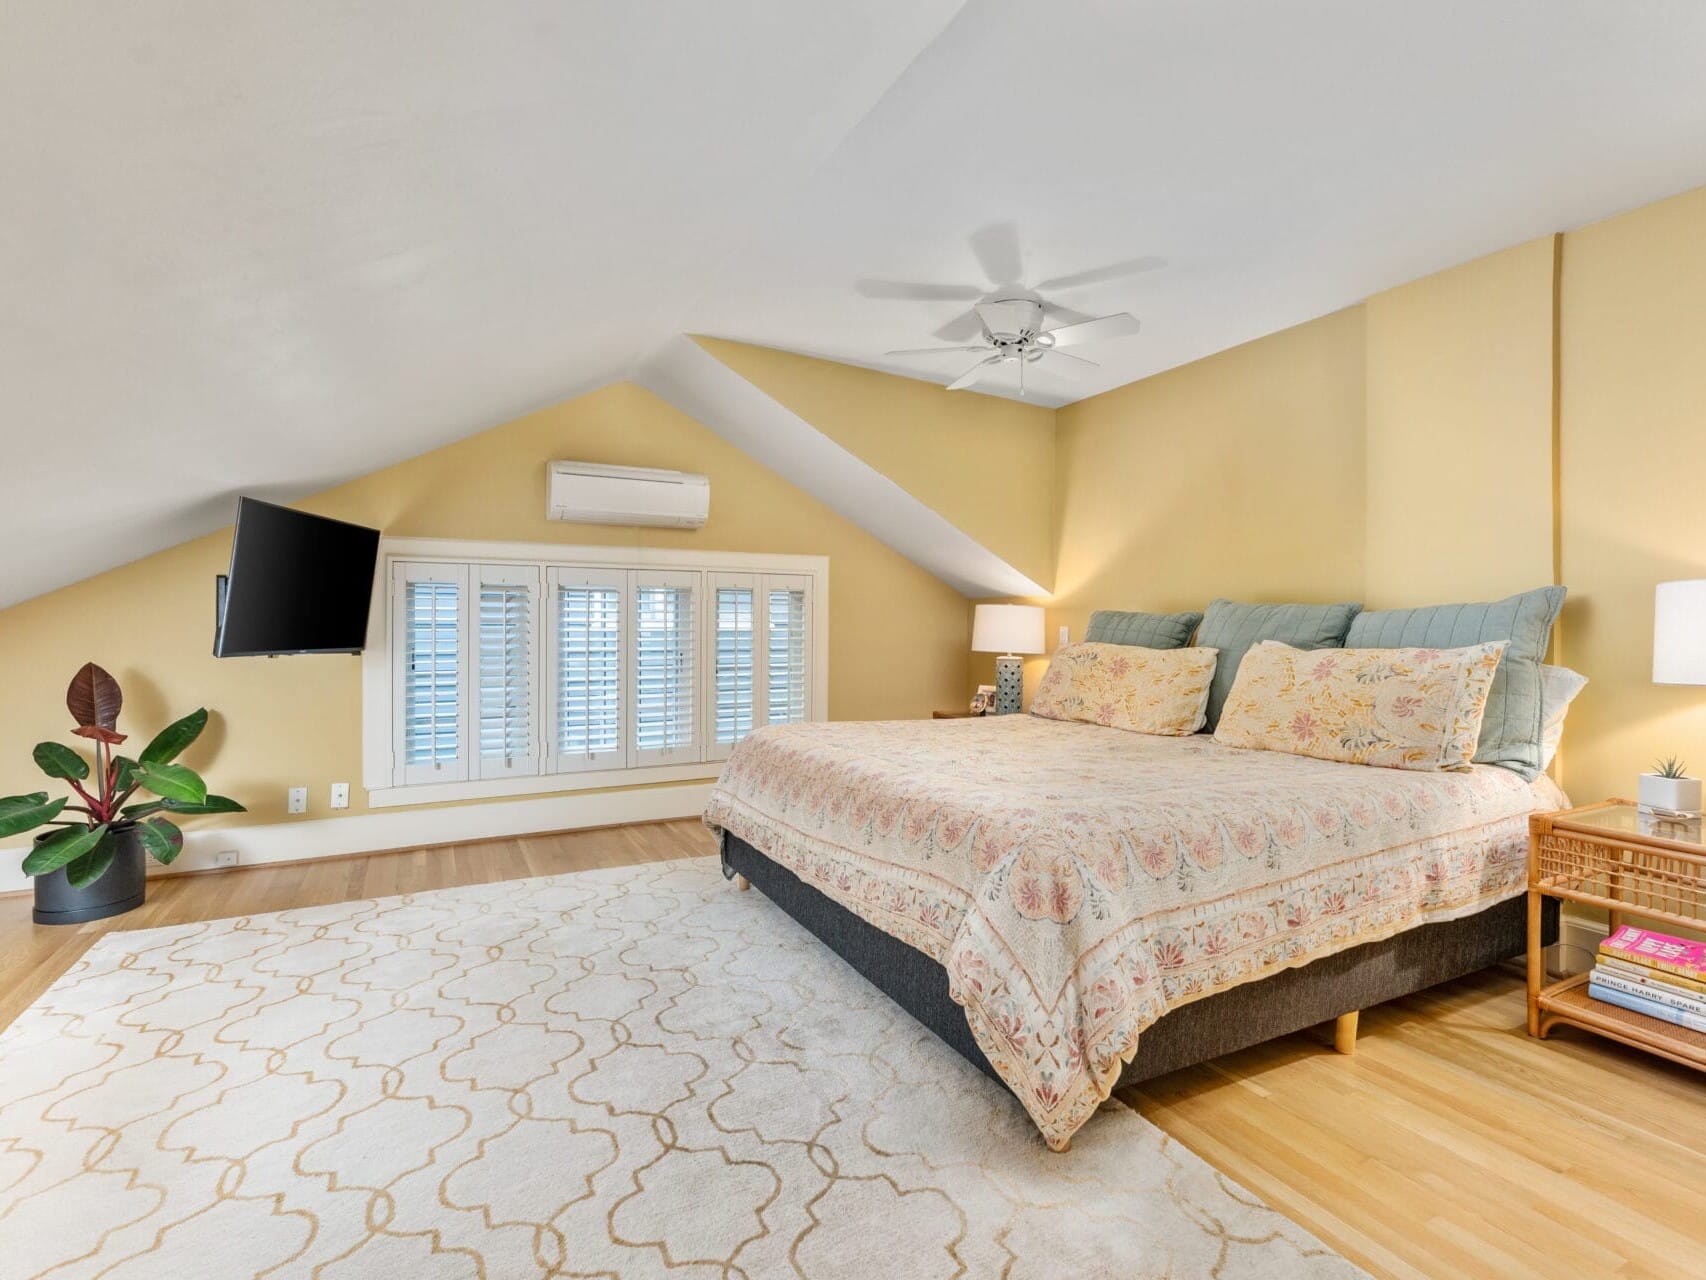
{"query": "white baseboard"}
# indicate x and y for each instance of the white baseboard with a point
(370, 832)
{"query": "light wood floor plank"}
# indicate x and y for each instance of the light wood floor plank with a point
(1450, 1145)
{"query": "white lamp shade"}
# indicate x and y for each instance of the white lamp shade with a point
(1679, 632)
(1007, 628)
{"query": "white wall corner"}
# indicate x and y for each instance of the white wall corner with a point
(703, 387)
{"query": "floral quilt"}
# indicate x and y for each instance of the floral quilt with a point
(1077, 882)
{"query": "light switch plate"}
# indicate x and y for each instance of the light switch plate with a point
(340, 795)
(1066, 635)
(296, 800)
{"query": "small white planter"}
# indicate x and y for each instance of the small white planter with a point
(1670, 796)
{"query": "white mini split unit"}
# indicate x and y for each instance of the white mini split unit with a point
(589, 493)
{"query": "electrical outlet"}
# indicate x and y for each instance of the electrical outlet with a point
(225, 858)
(1066, 635)
(296, 801)
(340, 795)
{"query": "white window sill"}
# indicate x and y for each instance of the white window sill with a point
(540, 784)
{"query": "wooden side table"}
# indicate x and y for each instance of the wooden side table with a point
(955, 715)
(1612, 856)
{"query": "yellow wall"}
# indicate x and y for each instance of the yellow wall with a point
(984, 463)
(297, 720)
(1240, 475)
(1460, 423)
(1633, 411)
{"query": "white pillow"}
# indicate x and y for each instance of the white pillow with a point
(1558, 688)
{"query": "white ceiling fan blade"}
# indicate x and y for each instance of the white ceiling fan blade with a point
(931, 351)
(997, 250)
(918, 291)
(972, 374)
(960, 328)
(1065, 315)
(1113, 271)
(1114, 326)
(1067, 355)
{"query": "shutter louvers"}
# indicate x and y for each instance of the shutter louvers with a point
(589, 673)
(431, 673)
(786, 656)
(736, 654)
(663, 673)
(504, 684)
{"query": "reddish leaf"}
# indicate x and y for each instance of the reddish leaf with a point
(99, 734)
(94, 698)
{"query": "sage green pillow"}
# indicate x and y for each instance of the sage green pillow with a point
(1233, 628)
(1146, 630)
(1511, 728)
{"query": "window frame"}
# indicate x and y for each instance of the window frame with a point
(382, 693)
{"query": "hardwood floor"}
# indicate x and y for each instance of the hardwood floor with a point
(1450, 1144)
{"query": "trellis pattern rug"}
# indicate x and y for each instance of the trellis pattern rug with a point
(626, 1073)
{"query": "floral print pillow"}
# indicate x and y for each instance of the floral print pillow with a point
(1398, 708)
(1124, 686)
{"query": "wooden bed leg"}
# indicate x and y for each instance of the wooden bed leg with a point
(1345, 1033)
(1063, 1148)
(742, 883)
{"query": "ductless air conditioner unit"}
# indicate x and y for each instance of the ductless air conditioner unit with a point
(589, 493)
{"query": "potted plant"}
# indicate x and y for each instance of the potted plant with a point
(94, 866)
(1669, 791)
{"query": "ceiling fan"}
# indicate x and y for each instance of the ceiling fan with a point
(1008, 320)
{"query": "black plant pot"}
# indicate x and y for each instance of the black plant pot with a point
(121, 889)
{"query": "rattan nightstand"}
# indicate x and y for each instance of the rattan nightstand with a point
(1612, 856)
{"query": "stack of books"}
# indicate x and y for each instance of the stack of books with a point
(1654, 974)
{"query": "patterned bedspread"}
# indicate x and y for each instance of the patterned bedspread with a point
(1077, 882)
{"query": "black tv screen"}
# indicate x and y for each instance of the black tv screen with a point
(298, 584)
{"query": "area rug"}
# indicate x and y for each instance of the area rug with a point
(633, 1073)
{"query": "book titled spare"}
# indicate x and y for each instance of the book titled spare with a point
(1657, 951)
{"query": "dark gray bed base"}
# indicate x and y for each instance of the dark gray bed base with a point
(1289, 1001)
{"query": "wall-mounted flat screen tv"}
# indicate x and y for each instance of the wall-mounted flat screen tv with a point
(298, 584)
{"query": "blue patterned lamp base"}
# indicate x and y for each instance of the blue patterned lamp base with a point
(1009, 684)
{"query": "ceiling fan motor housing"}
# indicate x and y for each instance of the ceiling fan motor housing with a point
(1011, 321)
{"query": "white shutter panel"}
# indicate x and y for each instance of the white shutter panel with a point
(787, 649)
(507, 676)
(587, 676)
(735, 653)
(430, 678)
(665, 715)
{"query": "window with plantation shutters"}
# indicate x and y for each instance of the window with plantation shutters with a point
(734, 638)
(507, 679)
(587, 688)
(787, 686)
(757, 630)
(665, 718)
(508, 670)
(431, 676)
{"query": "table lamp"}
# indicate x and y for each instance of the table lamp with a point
(1008, 630)
(1679, 657)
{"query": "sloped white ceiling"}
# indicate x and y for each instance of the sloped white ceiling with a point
(263, 248)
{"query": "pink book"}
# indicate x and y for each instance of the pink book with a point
(1657, 951)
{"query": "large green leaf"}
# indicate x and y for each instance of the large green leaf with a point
(26, 813)
(163, 840)
(57, 760)
(94, 698)
(124, 773)
(213, 804)
(62, 847)
(82, 872)
(171, 741)
(172, 782)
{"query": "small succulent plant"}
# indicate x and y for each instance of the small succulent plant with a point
(1670, 767)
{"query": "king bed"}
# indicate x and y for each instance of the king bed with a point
(1074, 907)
